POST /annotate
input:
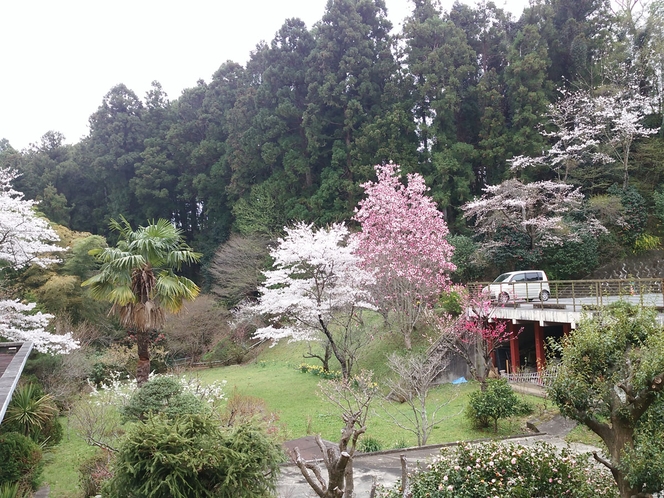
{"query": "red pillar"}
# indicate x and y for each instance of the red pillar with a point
(567, 327)
(514, 348)
(539, 347)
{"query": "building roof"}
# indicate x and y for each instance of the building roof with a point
(13, 356)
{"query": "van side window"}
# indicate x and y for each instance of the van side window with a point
(519, 277)
(534, 276)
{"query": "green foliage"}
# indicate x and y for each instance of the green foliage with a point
(227, 351)
(508, 471)
(451, 302)
(605, 381)
(646, 242)
(33, 414)
(10, 491)
(572, 259)
(496, 402)
(20, 460)
(465, 258)
(163, 395)
(634, 214)
(368, 444)
(193, 457)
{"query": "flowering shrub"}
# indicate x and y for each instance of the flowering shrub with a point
(508, 471)
(320, 371)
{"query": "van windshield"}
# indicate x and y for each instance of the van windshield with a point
(502, 277)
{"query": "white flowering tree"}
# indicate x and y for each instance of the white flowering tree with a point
(539, 210)
(25, 239)
(315, 291)
(588, 130)
(19, 322)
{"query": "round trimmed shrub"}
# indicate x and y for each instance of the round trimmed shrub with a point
(20, 460)
(162, 395)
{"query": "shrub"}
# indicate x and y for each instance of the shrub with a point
(508, 471)
(193, 456)
(162, 395)
(33, 414)
(10, 491)
(227, 352)
(498, 401)
(20, 460)
(319, 371)
(369, 444)
(94, 472)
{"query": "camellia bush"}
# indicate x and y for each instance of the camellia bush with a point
(507, 471)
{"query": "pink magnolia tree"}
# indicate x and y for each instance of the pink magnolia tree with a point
(316, 291)
(403, 243)
(473, 335)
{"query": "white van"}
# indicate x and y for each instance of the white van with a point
(516, 285)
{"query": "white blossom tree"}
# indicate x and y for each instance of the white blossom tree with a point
(590, 130)
(315, 291)
(539, 210)
(25, 239)
(19, 322)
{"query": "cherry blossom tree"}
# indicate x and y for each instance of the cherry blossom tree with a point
(403, 242)
(19, 323)
(316, 291)
(592, 130)
(25, 239)
(547, 212)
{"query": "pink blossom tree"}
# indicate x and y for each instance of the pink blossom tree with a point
(472, 335)
(403, 242)
(316, 291)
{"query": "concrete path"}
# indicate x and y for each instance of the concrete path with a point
(386, 466)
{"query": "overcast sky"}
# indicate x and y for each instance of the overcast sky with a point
(60, 57)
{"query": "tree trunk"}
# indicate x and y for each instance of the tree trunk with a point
(143, 366)
(623, 438)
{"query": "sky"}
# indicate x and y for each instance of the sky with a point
(60, 57)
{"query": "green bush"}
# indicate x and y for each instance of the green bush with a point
(192, 456)
(20, 460)
(10, 491)
(227, 352)
(368, 444)
(319, 371)
(508, 471)
(498, 401)
(34, 414)
(161, 395)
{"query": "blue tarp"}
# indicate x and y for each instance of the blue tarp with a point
(460, 380)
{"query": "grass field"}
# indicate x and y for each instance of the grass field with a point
(293, 395)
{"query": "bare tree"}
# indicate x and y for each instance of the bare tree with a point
(237, 266)
(352, 397)
(415, 376)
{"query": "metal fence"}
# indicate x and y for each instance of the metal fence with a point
(586, 294)
(543, 378)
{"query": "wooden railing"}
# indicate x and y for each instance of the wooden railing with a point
(543, 378)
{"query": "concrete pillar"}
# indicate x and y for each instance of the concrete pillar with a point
(539, 347)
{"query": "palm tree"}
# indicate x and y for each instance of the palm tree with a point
(138, 278)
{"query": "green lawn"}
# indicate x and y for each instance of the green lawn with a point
(293, 396)
(62, 463)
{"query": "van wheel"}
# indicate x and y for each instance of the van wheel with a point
(503, 298)
(544, 295)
